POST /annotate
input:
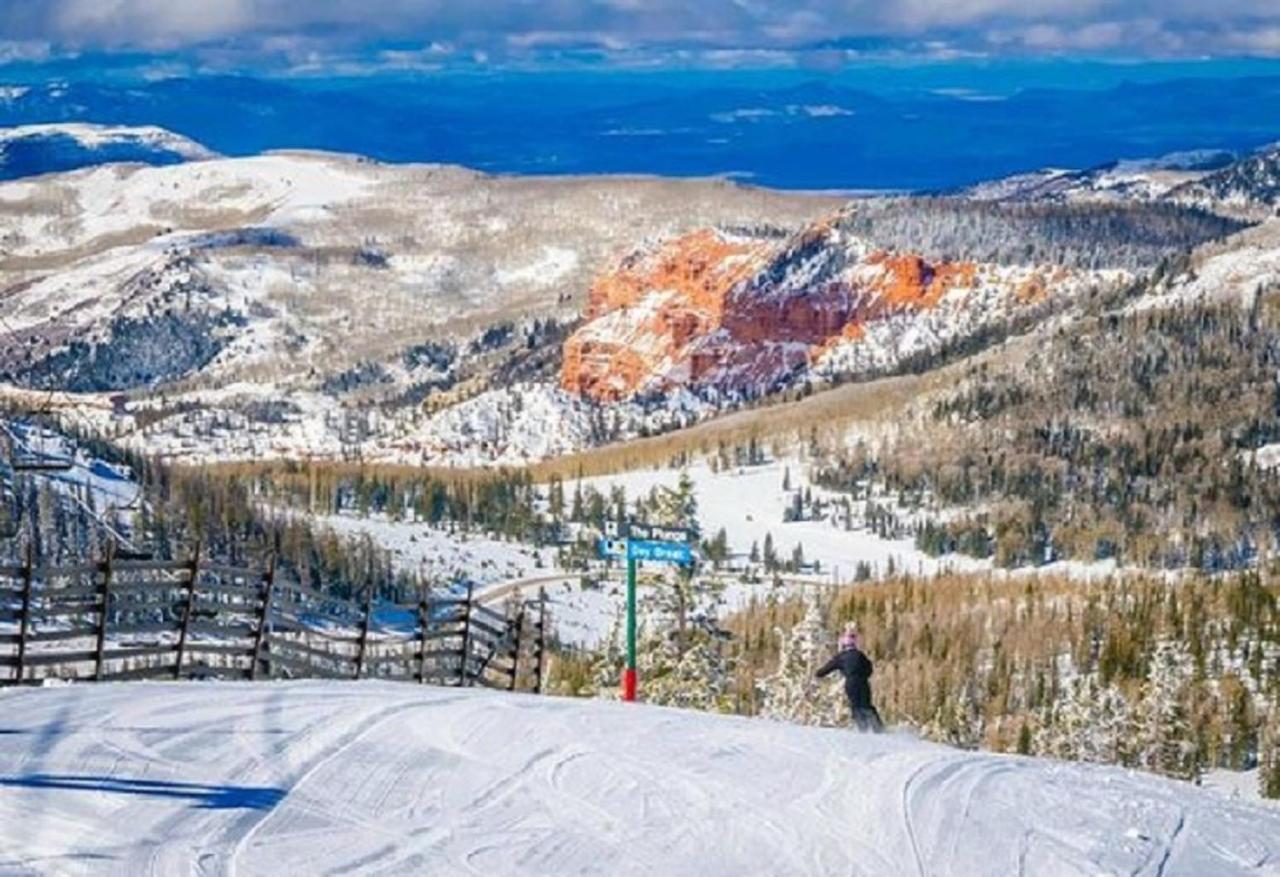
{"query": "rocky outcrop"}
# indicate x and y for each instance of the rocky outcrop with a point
(644, 316)
(741, 315)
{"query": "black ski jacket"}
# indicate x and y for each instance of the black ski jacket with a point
(856, 669)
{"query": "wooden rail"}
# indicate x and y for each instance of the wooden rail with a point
(120, 619)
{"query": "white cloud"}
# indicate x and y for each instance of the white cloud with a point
(148, 22)
(24, 50)
(511, 26)
(968, 94)
(744, 114)
(820, 111)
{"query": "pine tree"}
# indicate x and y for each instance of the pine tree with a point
(792, 694)
(1269, 755)
(957, 721)
(1094, 724)
(695, 676)
(1025, 740)
(678, 506)
(680, 660)
(1163, 739)
(770, 555)
(555, 499)
(577, 512)
(606, 669)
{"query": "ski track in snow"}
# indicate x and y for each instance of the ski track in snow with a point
(392, 778)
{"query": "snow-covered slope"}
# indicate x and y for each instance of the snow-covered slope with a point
(1124, 180)
(29, 150)
(1235, 270)
(1253, 183)
(1213, 179)
(390, 778)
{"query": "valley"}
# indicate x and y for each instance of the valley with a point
(412, 378)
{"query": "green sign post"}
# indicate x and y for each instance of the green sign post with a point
(629, 672)
(658, 550)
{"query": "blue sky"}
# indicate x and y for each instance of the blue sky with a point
(327, 37)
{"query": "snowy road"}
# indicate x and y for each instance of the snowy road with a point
(386, 778)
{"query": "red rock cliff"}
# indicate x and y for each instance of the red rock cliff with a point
(739, 314)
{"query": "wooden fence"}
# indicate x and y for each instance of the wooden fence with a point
(142, 619)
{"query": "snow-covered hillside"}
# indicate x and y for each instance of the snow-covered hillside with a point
(1214, 179)
(1252, 183)
(29, 150)
(1126, 180)
(309, 305)
(750, 505)
(1235, 271)
(284, 292)
(394, 778)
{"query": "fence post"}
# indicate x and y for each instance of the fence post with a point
(28, 573)
(260, 637)
(104, 595)
(542, 640)
(424, 618)
(515, 650)
(364, 630)
(188, 610)
(466, 636)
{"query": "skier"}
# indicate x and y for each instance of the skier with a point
(856, 669)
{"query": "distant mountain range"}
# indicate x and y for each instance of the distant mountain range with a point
(852, 134)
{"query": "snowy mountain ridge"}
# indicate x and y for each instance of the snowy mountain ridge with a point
(1251, 183)
(239, 285)
(1141, 179)
(32, 150)
(1216, 180)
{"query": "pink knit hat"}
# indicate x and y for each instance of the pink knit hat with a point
(849, 638)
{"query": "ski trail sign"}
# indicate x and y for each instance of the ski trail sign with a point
(661, 552)
(639, 543)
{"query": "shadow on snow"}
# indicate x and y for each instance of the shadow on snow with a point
(204, 797)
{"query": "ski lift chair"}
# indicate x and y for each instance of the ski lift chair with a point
(28, 460)
(39, 463)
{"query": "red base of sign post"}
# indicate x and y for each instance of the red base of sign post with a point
(628, 684)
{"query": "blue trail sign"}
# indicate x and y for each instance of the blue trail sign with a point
(662, 552)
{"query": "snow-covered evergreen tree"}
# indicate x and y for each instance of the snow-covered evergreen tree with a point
(957, 721)
(1094, 724)
(606, 669)
(697, 676)
(1269, 755)
(792, 694)
(679, 655)
(1163, 739)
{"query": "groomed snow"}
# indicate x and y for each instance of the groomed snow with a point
(392, 778)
